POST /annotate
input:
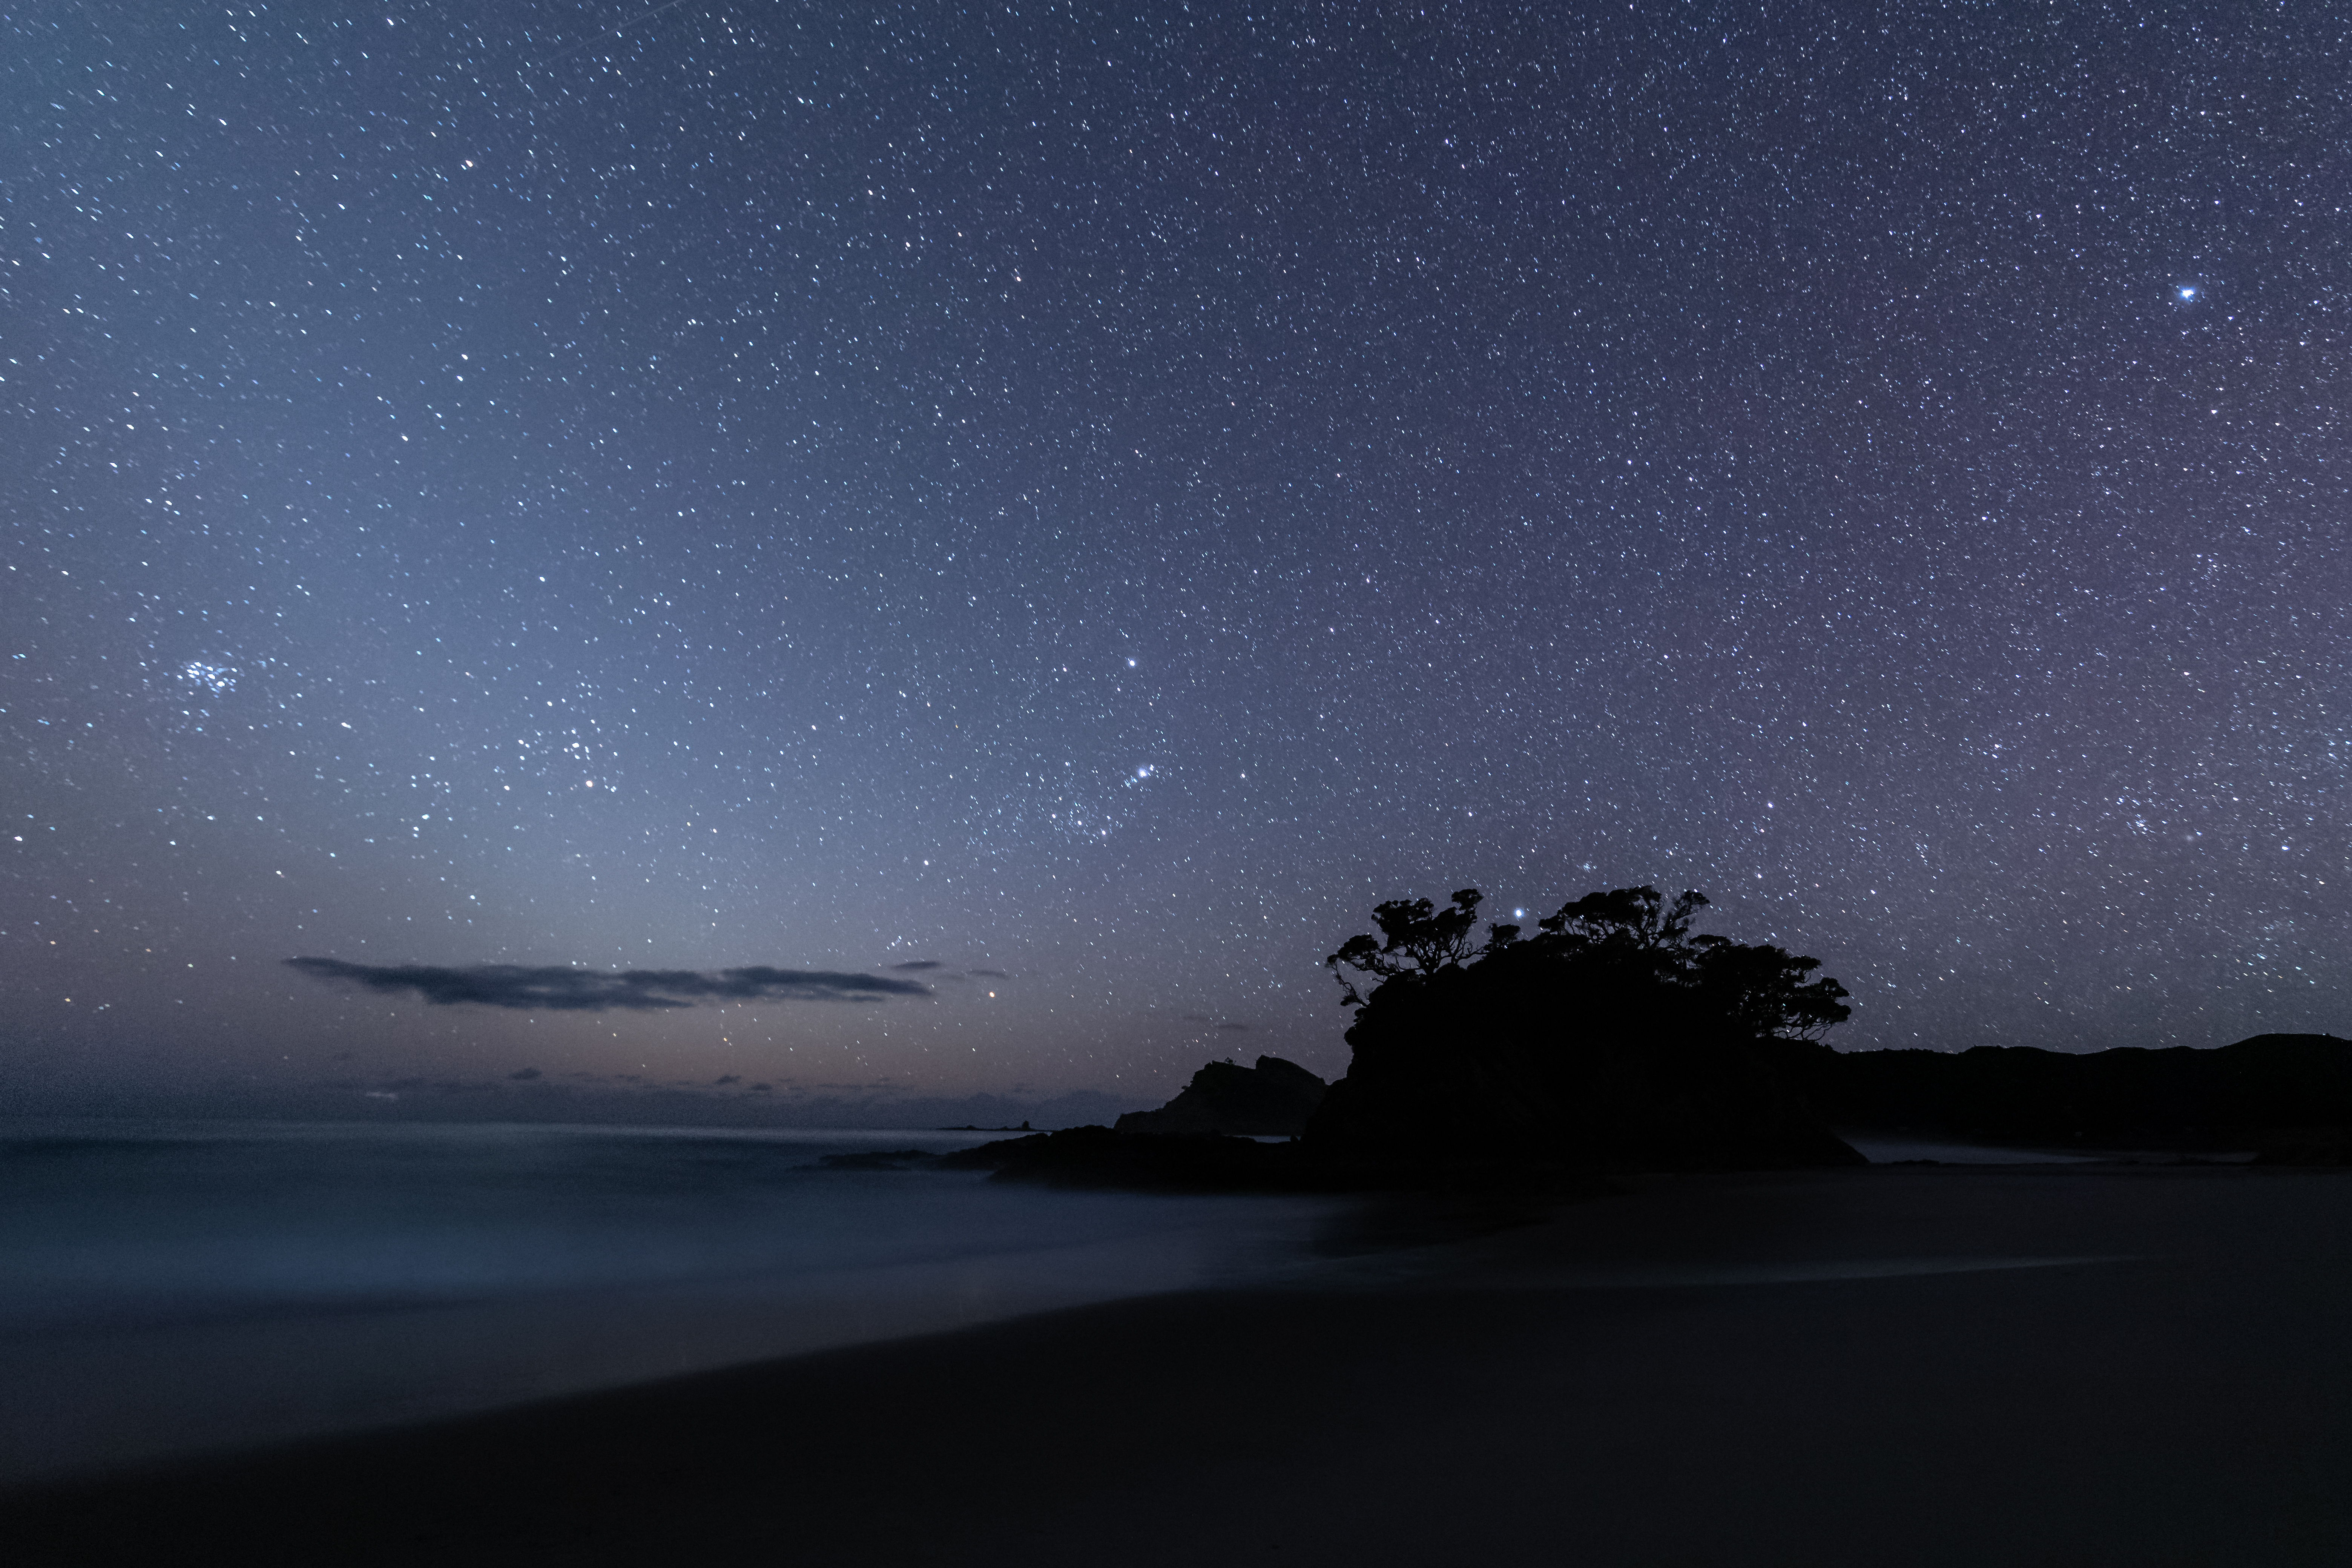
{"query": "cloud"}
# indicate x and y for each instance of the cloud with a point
(525, 1076)
(729, 1077)
(1233, 1026)
(937, 970)
(553, 989)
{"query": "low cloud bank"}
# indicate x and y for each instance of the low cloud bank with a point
(554, 989)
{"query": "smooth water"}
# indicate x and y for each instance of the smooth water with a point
(169, 1288)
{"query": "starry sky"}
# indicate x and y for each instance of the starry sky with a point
(1055, 510)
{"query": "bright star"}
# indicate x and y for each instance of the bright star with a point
(2187, 290)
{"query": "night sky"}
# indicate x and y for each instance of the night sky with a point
(1086, 501)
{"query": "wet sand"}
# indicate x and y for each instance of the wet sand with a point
(2073, 1365)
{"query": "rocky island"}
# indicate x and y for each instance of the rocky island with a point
(1610, 1038)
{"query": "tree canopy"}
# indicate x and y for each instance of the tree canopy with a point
(1624, 937)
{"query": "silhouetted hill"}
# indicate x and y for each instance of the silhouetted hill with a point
(1271, 1099)
(2271, 1091)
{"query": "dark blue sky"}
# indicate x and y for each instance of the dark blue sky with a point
(1091, 498)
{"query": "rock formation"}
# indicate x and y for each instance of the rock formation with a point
(1273, 1099)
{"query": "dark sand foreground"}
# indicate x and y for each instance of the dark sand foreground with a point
(1873, 1367)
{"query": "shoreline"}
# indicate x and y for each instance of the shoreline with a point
(1817, 1367)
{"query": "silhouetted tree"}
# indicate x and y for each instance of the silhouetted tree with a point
(1627, 917)
(1625, 940)
(1417, 939)
(1767, 990)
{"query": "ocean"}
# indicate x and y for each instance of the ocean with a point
(172, 1287)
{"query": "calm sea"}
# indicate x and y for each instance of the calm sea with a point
(171, 1287)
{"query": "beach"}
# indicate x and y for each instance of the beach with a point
(1931, 1365)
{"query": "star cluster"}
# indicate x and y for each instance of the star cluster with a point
(1098, 497)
